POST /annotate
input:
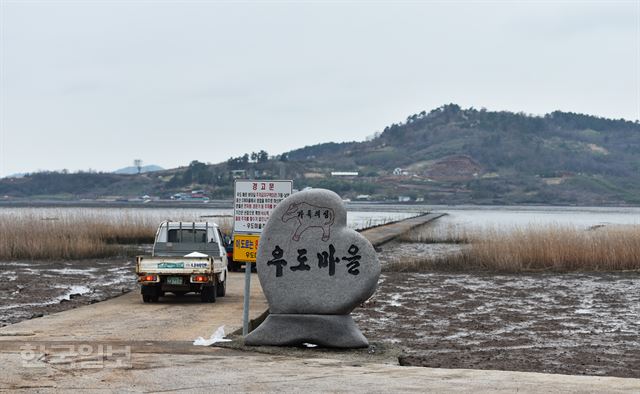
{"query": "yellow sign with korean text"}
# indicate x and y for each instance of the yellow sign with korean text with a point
(245, 247)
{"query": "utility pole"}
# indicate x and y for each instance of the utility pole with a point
(138, 164)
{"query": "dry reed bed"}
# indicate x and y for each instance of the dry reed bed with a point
(538, 248)
(430, 234)
(76, 236)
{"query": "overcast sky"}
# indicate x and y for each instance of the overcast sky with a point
(96, 84)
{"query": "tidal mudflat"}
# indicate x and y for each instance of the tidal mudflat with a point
(35, 288)
(544, 316)
(570, 323)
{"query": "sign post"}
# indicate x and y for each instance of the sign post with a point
(254, 200)
(247, 294)
(245, 248)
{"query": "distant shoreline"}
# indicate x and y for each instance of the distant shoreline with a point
(215, 204)
(228, 204)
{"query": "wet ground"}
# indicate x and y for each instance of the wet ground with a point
(399, 252)
(31, 289)
(570, 323)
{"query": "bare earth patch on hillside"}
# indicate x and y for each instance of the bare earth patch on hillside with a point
(555, 323)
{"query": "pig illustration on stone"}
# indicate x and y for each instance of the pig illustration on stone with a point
(309, 216)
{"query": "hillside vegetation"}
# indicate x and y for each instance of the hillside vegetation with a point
(448, 155)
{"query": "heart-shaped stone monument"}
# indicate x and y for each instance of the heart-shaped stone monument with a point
(314, 271)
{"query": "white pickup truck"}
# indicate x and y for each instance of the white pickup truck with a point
(187, 257)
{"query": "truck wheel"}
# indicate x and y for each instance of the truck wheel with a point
(208, 294)
(221, 289)
(150, 293)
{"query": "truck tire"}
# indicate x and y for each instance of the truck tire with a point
(208, 294)
(150, 293)
(221, 289)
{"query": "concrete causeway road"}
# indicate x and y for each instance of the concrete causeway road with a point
(70, 350)
(385, 233)
(127, 318)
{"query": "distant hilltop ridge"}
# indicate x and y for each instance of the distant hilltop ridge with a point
(134, 170)
(448, 155)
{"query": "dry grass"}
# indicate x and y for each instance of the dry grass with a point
(548, 248)
(68, 238)
(429, 234)
(74, 236)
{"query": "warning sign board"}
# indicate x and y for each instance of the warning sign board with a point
(254, 202)
(245, 247)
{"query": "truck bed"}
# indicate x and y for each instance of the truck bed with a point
(184, 248)
(179, 265)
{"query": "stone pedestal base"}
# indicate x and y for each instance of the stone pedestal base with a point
(339, 331)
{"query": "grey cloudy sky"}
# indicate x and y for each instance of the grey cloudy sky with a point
(95, 84)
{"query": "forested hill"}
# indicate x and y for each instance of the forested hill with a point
(470, 155)
(447, 155)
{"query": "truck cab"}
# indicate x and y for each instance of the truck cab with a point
(187, 257)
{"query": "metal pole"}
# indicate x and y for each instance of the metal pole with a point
(247, 291)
